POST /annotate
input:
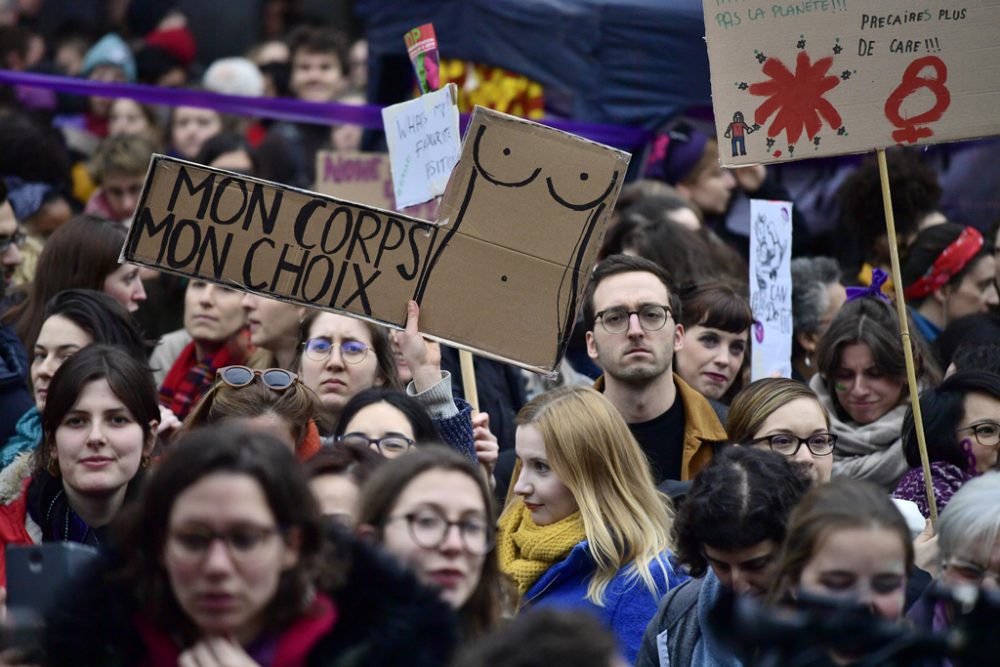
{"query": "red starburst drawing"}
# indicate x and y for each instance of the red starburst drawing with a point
(797, 98)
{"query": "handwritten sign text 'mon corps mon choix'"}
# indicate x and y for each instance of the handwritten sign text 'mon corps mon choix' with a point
(813, 78)
(506, 285)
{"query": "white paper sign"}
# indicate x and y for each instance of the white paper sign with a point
(771, 288)
(424, 144)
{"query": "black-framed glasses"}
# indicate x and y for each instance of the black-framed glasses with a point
(429, 529)
(241, 376)
(351, 351)
(17, 238)
(652, 317)
(245, 543)
(389, 445)
(987, 434)
(786, 444)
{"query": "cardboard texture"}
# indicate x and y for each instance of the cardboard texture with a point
(501, 273)
(365, 178)
(424, 144)
(810, 78)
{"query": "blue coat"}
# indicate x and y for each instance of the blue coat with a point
(628, 605)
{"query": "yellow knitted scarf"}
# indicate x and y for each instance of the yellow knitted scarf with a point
(527, 550)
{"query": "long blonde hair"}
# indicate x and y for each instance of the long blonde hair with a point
(590, 448)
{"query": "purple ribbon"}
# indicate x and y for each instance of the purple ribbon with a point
(297, 111)
(875, 289)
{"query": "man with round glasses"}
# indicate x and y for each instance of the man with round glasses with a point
(631, 317)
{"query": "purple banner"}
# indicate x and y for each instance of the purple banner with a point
(323, 113)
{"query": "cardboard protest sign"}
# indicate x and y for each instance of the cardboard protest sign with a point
(423, 144)
(365, 178)
(501, 272)
(794, 79)
(771, 288)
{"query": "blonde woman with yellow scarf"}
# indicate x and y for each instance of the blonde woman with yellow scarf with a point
(585, 527)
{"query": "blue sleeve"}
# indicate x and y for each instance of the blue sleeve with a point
(456, 431)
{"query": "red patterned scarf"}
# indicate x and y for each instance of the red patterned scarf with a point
(189, 378)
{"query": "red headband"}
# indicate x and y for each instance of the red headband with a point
(951, 260)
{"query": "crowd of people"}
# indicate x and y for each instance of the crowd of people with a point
(264, 483)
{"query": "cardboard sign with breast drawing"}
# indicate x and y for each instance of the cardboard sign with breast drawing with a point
(500, 273)
(796, 79)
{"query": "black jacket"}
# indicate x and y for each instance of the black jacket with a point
(384, 617)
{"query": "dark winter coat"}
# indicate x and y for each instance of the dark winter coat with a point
(384, 617)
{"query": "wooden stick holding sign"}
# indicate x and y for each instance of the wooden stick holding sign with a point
(804, 80)
(422, 47)
(904, 331)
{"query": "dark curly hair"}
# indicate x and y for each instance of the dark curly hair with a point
(915, 193)
(743, 497)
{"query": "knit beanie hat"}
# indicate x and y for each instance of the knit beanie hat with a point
(110, 50)
(674, 155)
(26, 198)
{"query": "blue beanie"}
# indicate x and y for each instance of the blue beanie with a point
(110, 50)
(26, 198)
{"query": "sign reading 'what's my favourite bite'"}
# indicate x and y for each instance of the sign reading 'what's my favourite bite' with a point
(797, 79)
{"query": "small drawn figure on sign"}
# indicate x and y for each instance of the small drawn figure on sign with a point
(737, 131)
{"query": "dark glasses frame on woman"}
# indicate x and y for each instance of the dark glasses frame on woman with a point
(389, 445)
(429, 528)
(786, 444)
(277, 379)
(986, 433)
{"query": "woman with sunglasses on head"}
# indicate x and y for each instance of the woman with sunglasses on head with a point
(224, 560)
(961, 420)
(586, 527)
(272, 400)
(343, 356)
(433, 511)
(99, 428)
(73, 319)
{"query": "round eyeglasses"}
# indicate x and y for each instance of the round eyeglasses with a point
(986, 434)
(241, 376)
(429, 529)
(652, 317)
(786, 444)
(245, 544)
(351, 351)
(389, 445)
